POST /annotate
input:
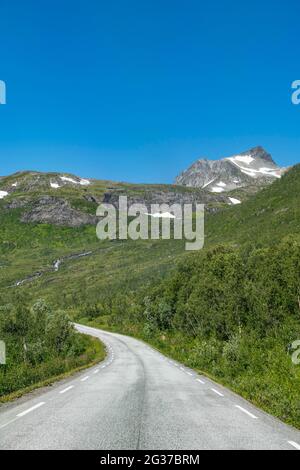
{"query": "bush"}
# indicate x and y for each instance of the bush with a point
(40, 343)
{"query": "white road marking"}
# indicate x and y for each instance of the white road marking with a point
(8, 423)
(103, 367)
(85, 378)
(294, 444)
(66, 389)
(96, 371)
(201, 381)
(181, 368)
(189, 373)
(35, 407)
(246, 411)
(218, 393)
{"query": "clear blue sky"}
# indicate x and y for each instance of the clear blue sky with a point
(136, 90)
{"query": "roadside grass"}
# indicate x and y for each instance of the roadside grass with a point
(49, 373)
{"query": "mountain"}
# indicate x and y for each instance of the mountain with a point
(69, 200)
(48, 243)
(45, 244)
(234, 293)
(253, 168)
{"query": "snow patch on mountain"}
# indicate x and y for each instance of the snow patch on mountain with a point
(263, 171)
(82, 182)
(253, 172)
(217, 189)
(162, 215)
(234, 201)
(207, 184)
(68, 180)
(242, 158)
(3, 194)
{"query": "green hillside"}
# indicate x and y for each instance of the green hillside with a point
(231, 310)
(29, 250)
(271, 214)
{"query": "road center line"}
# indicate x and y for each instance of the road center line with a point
(246, 411)
(66, 389)
(85, 378)
(218, 393)
(35, 407)
(294, 444)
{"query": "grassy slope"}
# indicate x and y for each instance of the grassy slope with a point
(270, 215)
(256, 281)
(25, 249)
(118, 267)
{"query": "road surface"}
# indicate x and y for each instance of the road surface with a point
(139, 399)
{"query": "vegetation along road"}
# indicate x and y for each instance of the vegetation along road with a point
(139, 399)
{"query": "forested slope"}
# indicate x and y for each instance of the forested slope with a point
(231, 310)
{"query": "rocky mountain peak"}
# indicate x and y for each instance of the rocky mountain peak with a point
(259, 152)
(254, 167)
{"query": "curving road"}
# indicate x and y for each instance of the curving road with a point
(138, 399)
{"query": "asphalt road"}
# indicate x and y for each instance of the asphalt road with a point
(139, 399)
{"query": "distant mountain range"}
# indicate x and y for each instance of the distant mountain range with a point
(254, 167)
(47, 235)
(69, 200)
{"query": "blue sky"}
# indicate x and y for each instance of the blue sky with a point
(137, 90)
